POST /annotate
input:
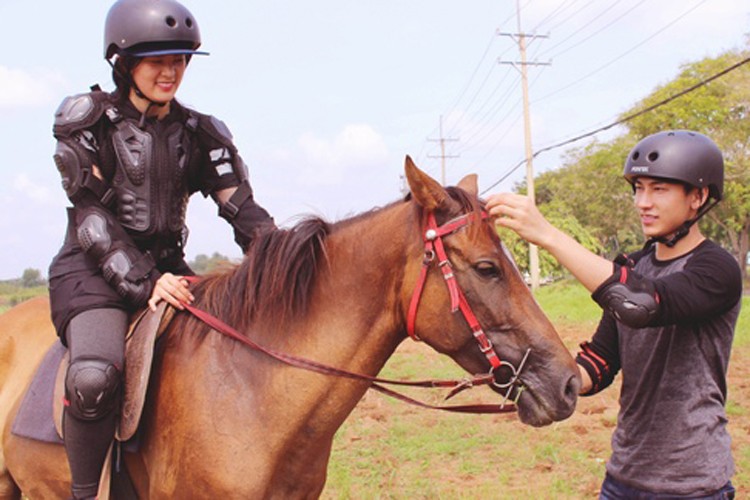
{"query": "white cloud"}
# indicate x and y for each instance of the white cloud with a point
(38, 193)
(20, 88)
(327, 161)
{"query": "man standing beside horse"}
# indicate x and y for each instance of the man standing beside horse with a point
(669, 315)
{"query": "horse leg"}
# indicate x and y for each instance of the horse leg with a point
(9, 490)
(38, 469)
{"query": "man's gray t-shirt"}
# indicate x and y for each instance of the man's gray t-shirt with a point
(671, 434)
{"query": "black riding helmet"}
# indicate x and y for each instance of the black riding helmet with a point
(142, 28)
(683, 156)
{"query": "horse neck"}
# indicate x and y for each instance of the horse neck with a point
(359, 296)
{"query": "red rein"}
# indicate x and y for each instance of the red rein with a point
(433, 248)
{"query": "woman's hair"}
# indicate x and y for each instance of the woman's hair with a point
(121, 72)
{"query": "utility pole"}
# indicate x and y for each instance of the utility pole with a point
(442, 140)
(520, 38)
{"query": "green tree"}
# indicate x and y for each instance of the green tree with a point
(31, 278)
(589, 189)
(204, 264)
(555, 204)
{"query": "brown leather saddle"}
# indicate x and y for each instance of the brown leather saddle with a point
(139, 353)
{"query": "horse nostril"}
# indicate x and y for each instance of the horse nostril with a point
(571, 389)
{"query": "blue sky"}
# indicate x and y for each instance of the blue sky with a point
(326, 98)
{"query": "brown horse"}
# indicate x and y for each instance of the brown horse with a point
(225, 421)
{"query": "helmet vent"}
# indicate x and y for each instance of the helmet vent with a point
(653, 156)
(636, 155)
(171, 22)
(188, 22)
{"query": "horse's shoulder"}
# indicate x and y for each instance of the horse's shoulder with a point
(29, 323)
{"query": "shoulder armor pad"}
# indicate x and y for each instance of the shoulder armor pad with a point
(221, 128)
(216, 129)
(79, 112)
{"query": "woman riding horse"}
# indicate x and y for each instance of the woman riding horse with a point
(129, 162)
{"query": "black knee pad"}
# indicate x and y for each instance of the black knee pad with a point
(92, 388)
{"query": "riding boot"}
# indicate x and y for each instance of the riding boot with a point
(85, 492)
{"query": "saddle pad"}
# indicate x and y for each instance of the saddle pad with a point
(34, 419)
(40, 414)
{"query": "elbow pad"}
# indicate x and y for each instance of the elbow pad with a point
(632, 299)
(125, 268)
(128, 274)
(245, 216)
(76, 171)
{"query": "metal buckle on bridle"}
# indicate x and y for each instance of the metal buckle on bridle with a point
(429, 256)
(514, 380)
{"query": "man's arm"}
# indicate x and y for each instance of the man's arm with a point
(520, 214)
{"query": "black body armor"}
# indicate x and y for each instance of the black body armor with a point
(135, 208)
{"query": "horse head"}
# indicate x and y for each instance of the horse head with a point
(467, 299)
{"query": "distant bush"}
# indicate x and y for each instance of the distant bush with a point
(12, 293)
(203, 264)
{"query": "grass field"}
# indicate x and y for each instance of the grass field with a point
(391, 450)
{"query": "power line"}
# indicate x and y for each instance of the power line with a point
(624, 119)
(585, 39)
(471, 79)
(642, 42)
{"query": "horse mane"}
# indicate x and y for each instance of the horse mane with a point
(274, 281)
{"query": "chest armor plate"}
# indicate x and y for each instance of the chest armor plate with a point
(150, 179)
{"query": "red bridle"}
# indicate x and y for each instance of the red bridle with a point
(434, 247)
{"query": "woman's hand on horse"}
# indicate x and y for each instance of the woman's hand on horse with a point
(173, 289)
(520, 214)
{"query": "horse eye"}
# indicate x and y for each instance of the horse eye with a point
(487, 269)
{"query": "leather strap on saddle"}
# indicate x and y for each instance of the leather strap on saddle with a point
(139, 356)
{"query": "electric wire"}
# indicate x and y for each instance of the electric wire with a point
(587, 38)
(624, 119)
(612, 61)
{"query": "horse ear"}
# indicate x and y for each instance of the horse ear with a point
(470, 185)
(426, 191)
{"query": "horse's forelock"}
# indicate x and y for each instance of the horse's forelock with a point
(467, 204)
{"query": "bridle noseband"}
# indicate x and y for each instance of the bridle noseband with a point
(435, 248)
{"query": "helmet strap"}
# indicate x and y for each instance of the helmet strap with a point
(682, 231)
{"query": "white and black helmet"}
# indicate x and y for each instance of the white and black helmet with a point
(679, 155)
(142, 28)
